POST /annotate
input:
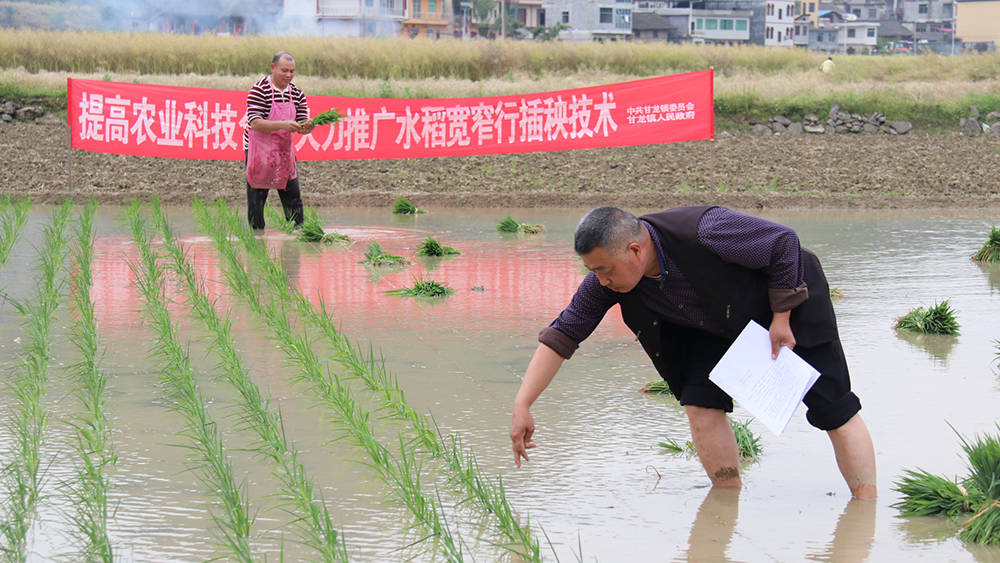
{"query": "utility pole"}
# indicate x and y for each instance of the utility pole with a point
(503, 18)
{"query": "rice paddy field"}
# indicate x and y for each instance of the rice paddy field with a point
(180, 389)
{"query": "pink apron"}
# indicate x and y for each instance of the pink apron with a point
(270, 160)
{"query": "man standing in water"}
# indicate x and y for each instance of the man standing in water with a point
(276, 108)
(688, 280)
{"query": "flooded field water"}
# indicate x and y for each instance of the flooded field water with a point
(598, 484)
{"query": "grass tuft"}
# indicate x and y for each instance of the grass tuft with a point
(286, 226)
(312, 230)
(990, 252)
(508, 225)
(938, 319)
(431, 247)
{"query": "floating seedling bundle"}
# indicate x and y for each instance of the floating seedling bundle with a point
(990, 252)
(431, 247)
(423, 288)
(376, 256)
(973, 501)
(402, 206)
(312, 230)
(509, 225)
(938, 319)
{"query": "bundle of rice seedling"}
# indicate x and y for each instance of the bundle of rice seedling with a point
(978, 494)
(658, 387)
(939, 319)
(836, 294)
(990, 252)
(404, 207)
(431, 247)
(747, 442)
(287, 226)
(326, 118)
(508, 225)
(312, 230)
(532, 228)
(375, 256)
(423, 288)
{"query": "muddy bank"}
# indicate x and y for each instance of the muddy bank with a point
(811, 171)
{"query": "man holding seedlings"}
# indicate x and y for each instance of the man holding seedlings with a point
(688, 280)
(276, 108)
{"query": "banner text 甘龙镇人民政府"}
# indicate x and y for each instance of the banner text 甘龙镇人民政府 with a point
(200, 123)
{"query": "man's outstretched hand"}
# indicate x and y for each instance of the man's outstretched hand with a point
(522, 426)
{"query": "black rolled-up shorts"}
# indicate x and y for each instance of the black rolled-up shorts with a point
(692, 354)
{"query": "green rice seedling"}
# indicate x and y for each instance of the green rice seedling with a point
(508, 225)
(990, 252)
(532, 228)
(402, 206)
(925, 494)
(836, 294)
(984, 464)
(23, 476)
(286, 226)
(12, 219)
(658, 387)
(369, 367)
(376, 256)
(996, 346)
(938, 319)
(984, 526)
(208, 455)
(747, 442)
(431, 247)
(326, 118)
(423, 288)
(299, 495)
(91, 424)
(402, 470)
(312, 230)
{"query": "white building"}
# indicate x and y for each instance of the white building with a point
(779, 23)
(591, 20)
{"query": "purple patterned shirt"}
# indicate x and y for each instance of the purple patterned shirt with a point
(746, 240)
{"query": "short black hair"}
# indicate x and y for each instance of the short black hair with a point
(282, 55)
(609, 228)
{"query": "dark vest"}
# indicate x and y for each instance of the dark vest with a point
(730, 294)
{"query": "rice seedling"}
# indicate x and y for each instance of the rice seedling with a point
(286, 226)
(431, 247)
(402, 206)
(312, 230)
(990, 252)
(977, 494)
(23, 477)
(658, 387)
(326, 118)
(938, 319)
(208, 456)
(423, 288)
(509, 225)
(12, 218)
(91, 424)
(400, 471)
(747, 442)
(376, 256)
(299, 495)
(836, 293)
(369, 367)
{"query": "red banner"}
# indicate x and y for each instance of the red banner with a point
(172, 122)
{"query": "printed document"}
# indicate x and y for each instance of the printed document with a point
(770, 389)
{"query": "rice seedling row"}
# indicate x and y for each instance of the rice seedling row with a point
(208, 457)
(299, 495)
(13, 215)
(369, 367)
(402, 471)
(91, 424)
(23, 477)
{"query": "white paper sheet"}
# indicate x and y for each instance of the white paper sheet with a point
(770, 389)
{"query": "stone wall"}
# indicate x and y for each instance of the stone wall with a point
(838, 121)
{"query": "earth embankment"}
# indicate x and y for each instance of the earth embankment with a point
(805, 171)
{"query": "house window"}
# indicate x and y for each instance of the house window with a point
(922, 8)
(769, 33)
(921, 28)
(623, 18)
(812, 7)
(872, 13)
(770, 9)
(432, 6)
(565, 17)
(700, 24)
(741, 25)
(711, 23)
(522, 16)
(946, 10)
(779, 13)
(370, 3)
(726, 25)
(850, 33)
(871, 32)
(779, 37)
(856, 12)
(541, 17)
(607, 15)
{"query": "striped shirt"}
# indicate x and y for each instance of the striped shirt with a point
(746, 240)
(259, 103)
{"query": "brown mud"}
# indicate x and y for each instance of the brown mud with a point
(814, 171)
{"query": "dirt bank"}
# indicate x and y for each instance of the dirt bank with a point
(824, 171)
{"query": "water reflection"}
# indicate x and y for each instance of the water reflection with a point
(939, 346)
(992, 271)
